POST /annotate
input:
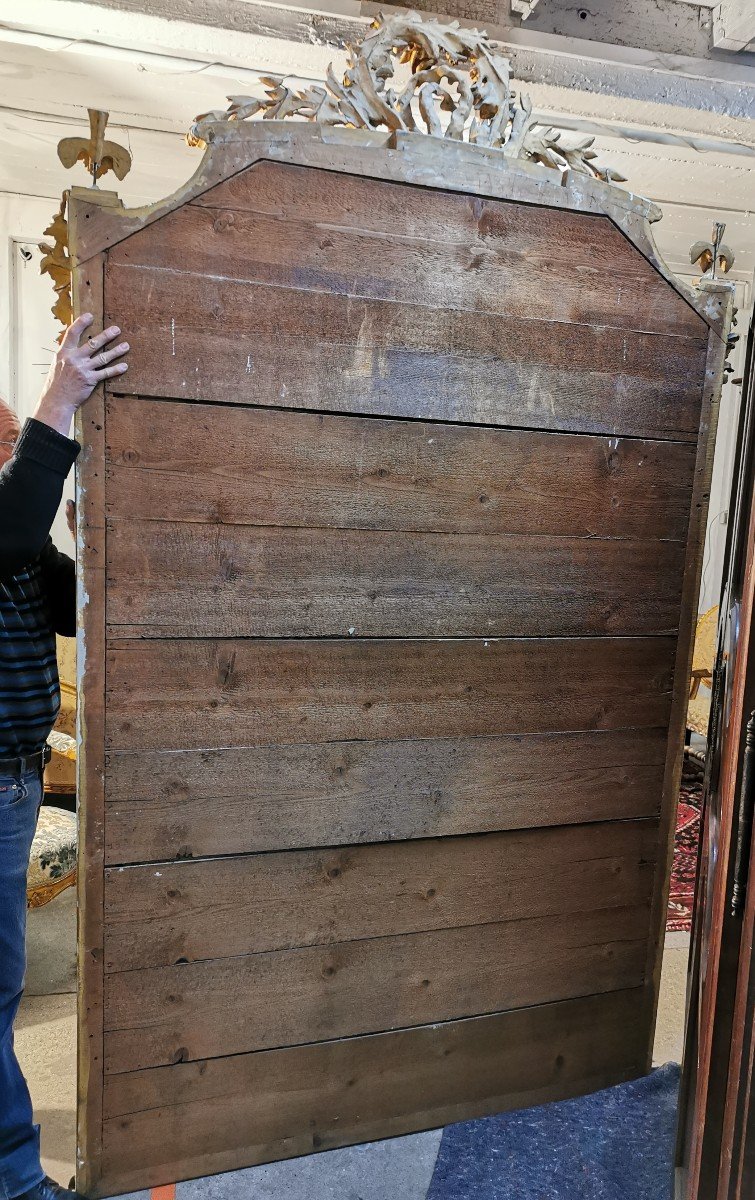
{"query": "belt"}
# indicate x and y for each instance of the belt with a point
(26, 763)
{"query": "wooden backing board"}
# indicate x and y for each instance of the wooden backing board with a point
(189, 804)
(162, 1015)
(182, 693)
(391, 560)
(190, 1119)
(239, 904)
(275, 467)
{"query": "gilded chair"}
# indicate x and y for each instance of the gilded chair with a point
(701, 678)
(52, 862)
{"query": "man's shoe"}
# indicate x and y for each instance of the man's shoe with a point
(48, 1189)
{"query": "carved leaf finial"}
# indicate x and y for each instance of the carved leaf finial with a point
(97, 154)
(712, 256)
(56, 263)
(458, 88)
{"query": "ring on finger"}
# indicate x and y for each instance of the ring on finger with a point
(92, 343)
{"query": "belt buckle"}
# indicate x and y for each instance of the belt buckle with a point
(46, 754)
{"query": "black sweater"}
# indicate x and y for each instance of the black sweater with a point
(37, 587)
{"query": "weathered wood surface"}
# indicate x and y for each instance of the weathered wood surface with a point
(184, 580)
(158, 914)
(373, 817)
(475, 171)
(189, 804)
(164, 1015)
(435, 248)
(213, 1115)
(227, 340)
(229, 465)
(180, 694)
(91, 590)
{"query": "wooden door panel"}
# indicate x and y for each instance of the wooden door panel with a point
(390, 549)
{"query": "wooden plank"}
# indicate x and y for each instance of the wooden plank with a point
(717, 351)
(444, 250)
(183, 694)
(198, 1118)
(213, 908)
(183, 580)
(87, 285)
(186, 804)
(473, 170)
(716, 935)
(208, 338)
(211, 463)
(166, 1015)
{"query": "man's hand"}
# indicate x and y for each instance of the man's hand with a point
(76, 370)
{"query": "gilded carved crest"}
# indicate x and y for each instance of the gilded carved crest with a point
(417, 75)
(98, 156)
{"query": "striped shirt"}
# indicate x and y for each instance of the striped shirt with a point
(37, 588)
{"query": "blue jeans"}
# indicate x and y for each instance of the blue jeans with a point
(20, 798)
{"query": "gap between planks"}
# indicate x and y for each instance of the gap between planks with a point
(339, 847)
(352, 1037)
(113, 391)
(124, 519)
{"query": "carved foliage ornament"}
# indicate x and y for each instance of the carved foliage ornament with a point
(98, 156)
(56, 263)
(420, 76)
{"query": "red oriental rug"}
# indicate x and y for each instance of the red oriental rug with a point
(681, 895)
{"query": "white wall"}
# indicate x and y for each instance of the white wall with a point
(692, 187)
(27, 327)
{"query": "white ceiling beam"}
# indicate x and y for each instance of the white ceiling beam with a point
(665, 26)
(523, 8)
(592, 80)
(734, 24)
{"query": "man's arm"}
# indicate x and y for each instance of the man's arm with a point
(31, 482)
(59, 580)
(31, 486)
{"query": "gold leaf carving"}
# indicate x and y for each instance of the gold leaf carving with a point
(415, 74)
(97, 154)
(56, 263)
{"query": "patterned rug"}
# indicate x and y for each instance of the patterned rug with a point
(681, 895)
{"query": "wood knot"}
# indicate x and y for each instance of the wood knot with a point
(223, 222)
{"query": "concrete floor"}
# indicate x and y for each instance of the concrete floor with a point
(400, 1168)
